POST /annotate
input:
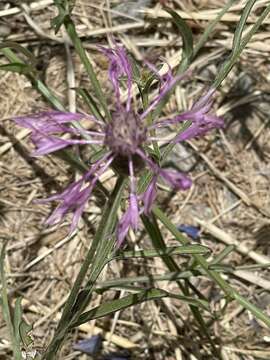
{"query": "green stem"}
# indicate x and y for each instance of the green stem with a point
(75, 305)
(158, 242)
(6, 311)
(71, 30)
(227, 289)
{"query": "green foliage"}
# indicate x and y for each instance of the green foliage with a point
(12, 324)
(102, 249)
(187, 37)
(95, 261)
(65, 8)
(240, 42)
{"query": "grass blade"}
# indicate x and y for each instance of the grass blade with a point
(133, 299)
(75, 304)
(174, 250)
(240, 45)
(209, 29)
(17, 319)
(187, 37)
(64, 18)
(241, 25)
(88, 99)
(222, 255)
(228, 290)
(158, 241)
(5, 307)
(172, 276)
(120, 304)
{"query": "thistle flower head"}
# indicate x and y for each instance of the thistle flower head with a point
(125, 133)
(125, 137)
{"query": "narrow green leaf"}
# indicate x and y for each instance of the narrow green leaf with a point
(228, 290)
(221, 267)
(253, 267)
(203, 39)
(174, 250)
(241, 25)
(48, 94)
(24, 330)
(90, 102)
(191, 301)
(17, 68)
(119, 304)
(200, 259)
(210, 28)
(5, 307)
(134, 299)
(239, 47)
(258, 313)
(144, 181)
(13, 45)
(187, 37)
(222, 255)
(17, 318)
(65, 8)
(171, 276)
(97, 155)
(95, 260)
(158, 241)
(88, 67)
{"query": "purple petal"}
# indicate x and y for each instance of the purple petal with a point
(200, 127)
(168, 83)
(122, 228)
(149, 196)
(130, 219)
(175, 179)
(119, 66)
(76, 205)
(45, 124)
(134, 212)
(46, 119)
(74, 198)
(48, 144)
(202, 122)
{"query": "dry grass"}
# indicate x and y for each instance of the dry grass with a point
(230, 196)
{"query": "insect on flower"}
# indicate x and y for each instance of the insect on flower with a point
(124, 137)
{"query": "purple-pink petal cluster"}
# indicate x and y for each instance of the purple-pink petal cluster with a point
(124, 138)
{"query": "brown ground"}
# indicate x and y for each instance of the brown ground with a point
(230, 196)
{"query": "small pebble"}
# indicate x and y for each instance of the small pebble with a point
(89, 346)
(4, 31)
(191, 231)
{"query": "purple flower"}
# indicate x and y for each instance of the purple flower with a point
(149, 196)
(130, 219)
(125, 138)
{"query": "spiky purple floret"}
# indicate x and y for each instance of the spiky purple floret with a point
(125, 137)
(75, 197)
(201, 121)
(175, 179)
(48, 125)
(130, 219)
(149, 196)
(120, 66)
